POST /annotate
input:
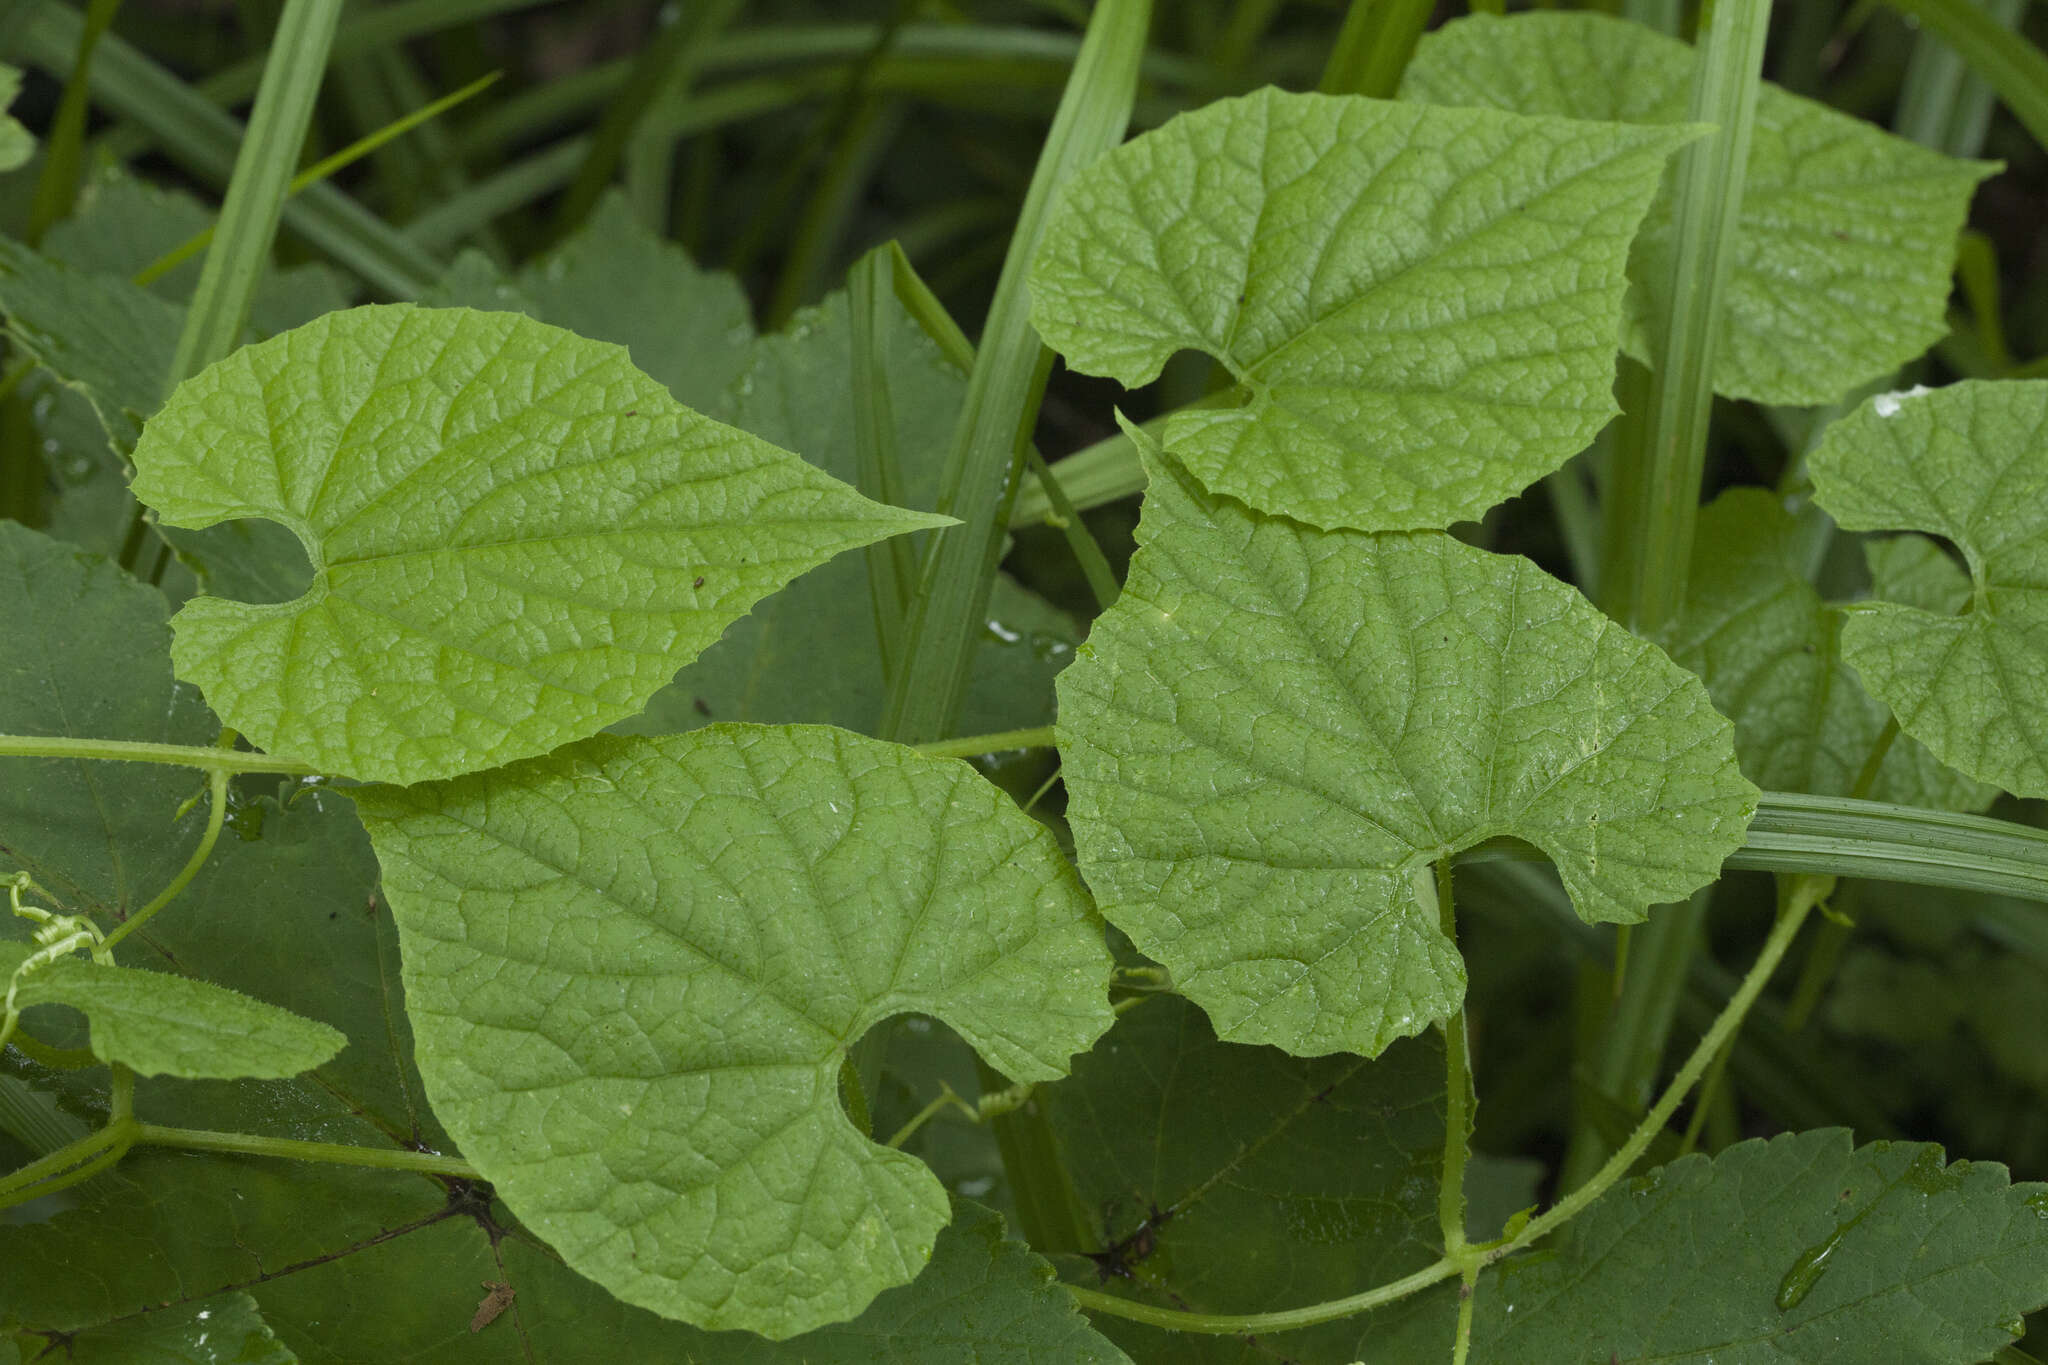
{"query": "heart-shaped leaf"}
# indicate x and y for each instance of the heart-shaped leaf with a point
(1968, 463)
(635, 968)
(1847, 235)
(1419, 305)
(1276, 731)
(516, 536)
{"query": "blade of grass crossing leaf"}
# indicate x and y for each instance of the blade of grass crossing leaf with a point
(892, 564)
(1653, 503)
(321, 170)
(64, 151)
(669, 63)
(1373, 47)
(263, 171)
(203, 139)
(1003, 393)
(2014, 67)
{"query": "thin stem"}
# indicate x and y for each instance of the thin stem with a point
(68, 1165)
(1709, 1088)
(291, 1149)
(1723, 1027)
(135, 751)
(1458, 1092)
(217, 809)
(1468, 1292)
(948, 1100)
(971, 746)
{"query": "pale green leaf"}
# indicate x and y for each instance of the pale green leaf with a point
(87, 656)
(1419, 306)
(1275, 732)
(1847, 234)
(635, 967)
(1968, 463)
(17, 144)
(1796, 1249)
(516, 536)
(164, 1025)
(1240, 1180)
(1757, 631)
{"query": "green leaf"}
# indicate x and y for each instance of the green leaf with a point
(1757, 631)
(615, 281)
(797, 392)
(516, 536)
(658, 952)
(108, 338)
(1795, 1249)
(1847, 235)
(1418, 306)
(1276, 730)
(1312, 1179)
(164, 1025)
(17, 144)
(224, 1330)
(87, 656)
(1968, 463)
(287, 909)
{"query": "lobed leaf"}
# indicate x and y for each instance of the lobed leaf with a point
(635, 968)
(1418, 306)
(165, 1025)
(1968, 463)
(1802, 1248)
(1847, 233)
(516, 536)
(1755, 629)
(1276, 731)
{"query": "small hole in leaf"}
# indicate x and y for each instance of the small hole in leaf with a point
(252, 561)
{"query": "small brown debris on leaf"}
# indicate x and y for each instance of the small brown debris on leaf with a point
(497, 1298)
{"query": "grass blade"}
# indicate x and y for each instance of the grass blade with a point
(64, 151)
(256, 192)
(2011, 65)
(1010, 369)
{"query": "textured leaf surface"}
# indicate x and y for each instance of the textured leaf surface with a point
(1968, 463)
(1847, 233)
(516, 536)
(1276, 730)
(1240, 1180)
(635, 967)
(1796, 1249)
(1419, 306)
(164, 1025)
(1769, 649)
(87, 656)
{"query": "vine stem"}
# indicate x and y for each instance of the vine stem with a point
(329, 1153)
(216, 813)
(1804, 895)
(134, 751)
(1459, 1096)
